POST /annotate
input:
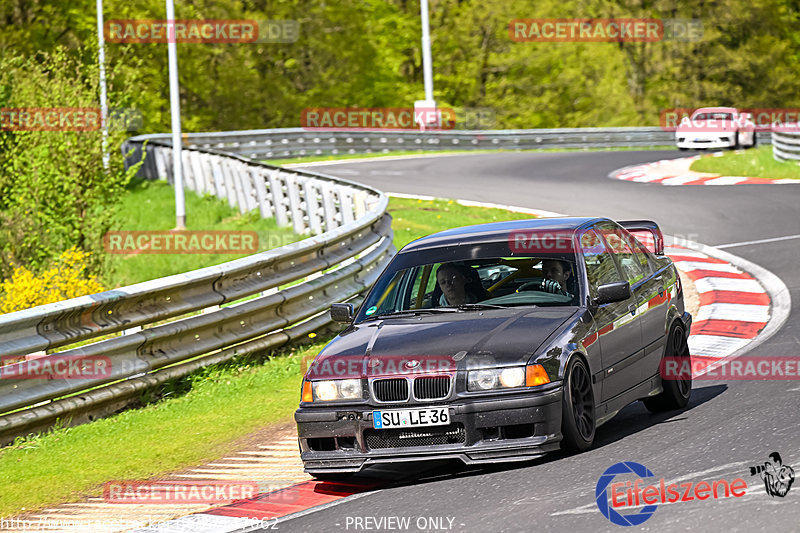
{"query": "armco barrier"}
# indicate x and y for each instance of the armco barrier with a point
(168, 327)
(786, 142)
(294, 142)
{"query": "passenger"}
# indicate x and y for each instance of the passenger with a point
(460, 284)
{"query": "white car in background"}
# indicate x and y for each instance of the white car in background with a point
(716, 127)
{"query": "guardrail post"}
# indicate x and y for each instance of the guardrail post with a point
(264, 202)
(293, 187)
(276, 183)
(312, 207)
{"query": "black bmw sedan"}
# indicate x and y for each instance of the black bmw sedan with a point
(497, 342)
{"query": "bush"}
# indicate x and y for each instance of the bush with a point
(54, 191)
(66, 278)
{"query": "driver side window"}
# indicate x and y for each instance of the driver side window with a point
(600, 267)
(620, 245)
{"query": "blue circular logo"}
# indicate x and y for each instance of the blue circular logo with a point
(601, 494)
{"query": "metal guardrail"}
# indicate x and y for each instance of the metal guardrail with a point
(352, 245)
(786, 142)
(294, 142)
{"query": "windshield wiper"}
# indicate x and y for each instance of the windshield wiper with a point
(414, 312)
(469, 307)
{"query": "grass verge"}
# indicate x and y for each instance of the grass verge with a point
(755, 163)
(199, 418)
(150, 206)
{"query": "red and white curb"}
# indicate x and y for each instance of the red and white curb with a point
(741, 305)
(676, 172)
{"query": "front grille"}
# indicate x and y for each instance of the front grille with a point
(431, 388)
(390, 390)
(404, 438)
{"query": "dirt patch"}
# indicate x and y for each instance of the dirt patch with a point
(691, 298)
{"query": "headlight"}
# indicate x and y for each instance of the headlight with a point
(335, 389)
(512, 377)
(507, 378)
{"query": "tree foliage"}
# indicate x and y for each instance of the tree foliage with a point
(364, 53)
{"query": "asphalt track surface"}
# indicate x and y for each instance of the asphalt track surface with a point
(727, 427)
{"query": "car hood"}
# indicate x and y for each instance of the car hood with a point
(429, 343)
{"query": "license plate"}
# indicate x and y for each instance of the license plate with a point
(411, 418)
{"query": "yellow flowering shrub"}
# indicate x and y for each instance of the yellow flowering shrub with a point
(64, 279)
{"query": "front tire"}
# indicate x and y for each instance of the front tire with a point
(676, 392)
(578, 422)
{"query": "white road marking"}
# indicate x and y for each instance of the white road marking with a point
(681, 252)
(727, 284)
(715, 345)
(760, 241)
(680, 180)
(726, 180)
(688, 266)
(592, 507)
(738, 312)
(646, 178)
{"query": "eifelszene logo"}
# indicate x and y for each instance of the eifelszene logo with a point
(602, 499)
(614, 497)
(778, 477)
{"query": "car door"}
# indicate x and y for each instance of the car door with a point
(654, 307)
(617, 323)
(648, 291)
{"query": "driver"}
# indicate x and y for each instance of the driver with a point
(555, 271)
(460, 285)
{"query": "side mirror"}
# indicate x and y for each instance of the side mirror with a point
(342, 312)
(613, 292)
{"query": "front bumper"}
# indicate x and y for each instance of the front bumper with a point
(482, 430)
(694, 141)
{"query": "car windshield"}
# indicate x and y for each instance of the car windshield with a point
(480, 284)
(713, 116)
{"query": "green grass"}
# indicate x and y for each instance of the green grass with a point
(221, 405)
(755, 163)
(339, 157)
(412, 219)
(150, 205)
(202, 416)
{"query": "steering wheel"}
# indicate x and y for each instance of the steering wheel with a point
(545, 285)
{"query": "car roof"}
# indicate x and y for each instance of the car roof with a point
(716, 110)
(496, 231)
